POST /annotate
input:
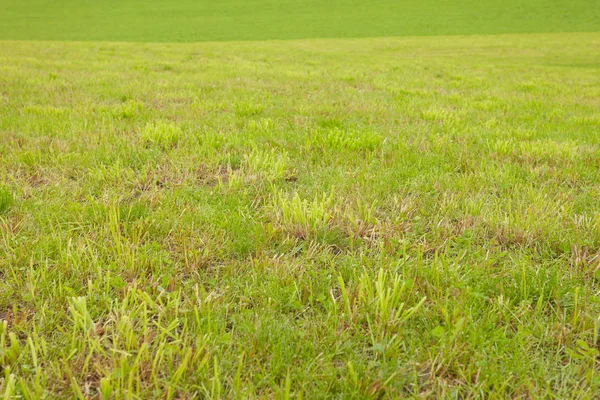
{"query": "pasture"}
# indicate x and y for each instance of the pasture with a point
(393, 217)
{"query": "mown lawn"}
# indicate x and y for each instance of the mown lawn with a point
(201, 20)
(370, 218)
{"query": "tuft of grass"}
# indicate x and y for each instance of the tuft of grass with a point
(6, 199)
(272, 164)
(248, 108)
(345, 140)
(161, 134)
(301, 215)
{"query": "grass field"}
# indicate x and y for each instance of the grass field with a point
(368, 218)
(200, 20)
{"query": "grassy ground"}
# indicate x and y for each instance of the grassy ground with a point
(199, 20)
(325, 218)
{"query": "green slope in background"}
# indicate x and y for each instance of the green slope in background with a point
(202, 20)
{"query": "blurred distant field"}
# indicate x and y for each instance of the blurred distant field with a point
(206, 20)
(332, 218)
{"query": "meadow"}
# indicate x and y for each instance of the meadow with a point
(202, 20)
(358, 218)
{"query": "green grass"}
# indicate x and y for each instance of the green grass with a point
(369, 218)
(201, 20)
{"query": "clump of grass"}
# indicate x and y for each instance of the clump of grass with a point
(128, 110)
(301, 216)
(80, 316)
(338, 139)
(270, 163)
(161, 134)
(361, 219)
(442, 116)
(380, 300)
(6, 199)
(248, 108)
(262, 125)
